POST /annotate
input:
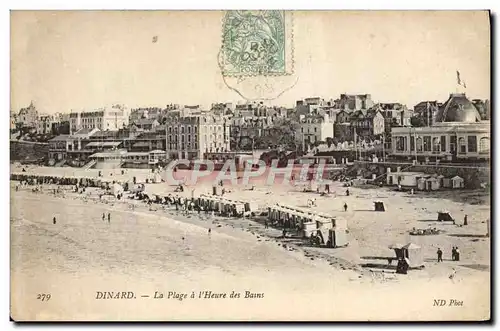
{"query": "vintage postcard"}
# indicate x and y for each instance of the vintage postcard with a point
(250, 165)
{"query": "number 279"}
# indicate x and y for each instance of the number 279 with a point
(43, 297)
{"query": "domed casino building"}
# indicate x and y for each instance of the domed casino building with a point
(457, 134)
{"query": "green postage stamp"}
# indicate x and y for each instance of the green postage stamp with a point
(257, 43)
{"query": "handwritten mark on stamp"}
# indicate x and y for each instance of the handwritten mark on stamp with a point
(254, 43)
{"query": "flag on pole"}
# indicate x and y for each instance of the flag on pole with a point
(460, 81)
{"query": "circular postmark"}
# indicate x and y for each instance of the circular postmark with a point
(256, 56)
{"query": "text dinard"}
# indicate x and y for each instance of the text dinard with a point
(173, 295)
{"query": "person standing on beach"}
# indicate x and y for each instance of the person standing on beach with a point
(457, 254)
(209, 231)
(453, 253)
(103, 217)
(345, 206)
(440, 255)
(54, 220)
(465, 220)
(109, 217)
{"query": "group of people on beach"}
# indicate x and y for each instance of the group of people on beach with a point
(455, 254)
(104, 217)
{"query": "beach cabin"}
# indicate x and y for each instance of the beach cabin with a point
(447, 183)
(406, 179)
(217, 190)
(116, 189)
(251, 207)
(432, 184)
(339, 238)
(440, 178)
(421, 183)
(379, 206)
(339, 222)
(457, 182)
(412, 252)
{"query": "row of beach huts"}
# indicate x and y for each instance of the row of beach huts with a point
(422, 181)
(321, 228)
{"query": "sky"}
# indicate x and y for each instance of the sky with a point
(82, 60)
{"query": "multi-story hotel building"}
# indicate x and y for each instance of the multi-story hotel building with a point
(44, 123)
(193, 136)
(457, 134)
(314, 128)
(110, 118)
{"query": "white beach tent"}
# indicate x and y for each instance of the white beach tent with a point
(410, 251)
(457, 182)
(116, 189)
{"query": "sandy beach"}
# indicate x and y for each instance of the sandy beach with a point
(160, 250)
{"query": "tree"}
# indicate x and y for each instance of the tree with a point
(329, 142)
(417, 121)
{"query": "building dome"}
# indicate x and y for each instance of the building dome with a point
(458, 109)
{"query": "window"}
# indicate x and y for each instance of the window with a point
(472, 144)
(484, 145)
(189, 129)
(453, 144)
(462, 148)
(400, 144)
(443, 143)
(302, 130)
(412, 143)
(427, 144)
(195, 129)
(419, 144)
(315, 129)
(182, 129)
(435, 145)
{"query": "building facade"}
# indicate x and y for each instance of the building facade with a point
(28, 117)
(426, 111)
(458, 134)
(153, 113)
(313, 129)
(45, 123)
(193, 136)
(370, 123)
(109, 118)
(352, 102)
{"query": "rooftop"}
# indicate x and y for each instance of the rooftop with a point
(62, 137)
(458, 109)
